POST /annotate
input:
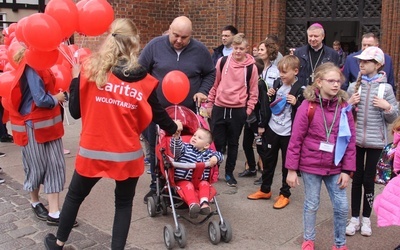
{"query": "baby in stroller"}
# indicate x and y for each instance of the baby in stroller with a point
(196, 150)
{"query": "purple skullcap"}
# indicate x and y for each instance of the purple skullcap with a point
(318, 25)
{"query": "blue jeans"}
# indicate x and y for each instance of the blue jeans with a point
(312, 190)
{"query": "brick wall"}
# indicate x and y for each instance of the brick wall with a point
(255, 18)
(390, 34)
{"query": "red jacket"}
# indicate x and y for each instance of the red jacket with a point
(112, 119)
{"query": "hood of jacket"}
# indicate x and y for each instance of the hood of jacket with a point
(231, 62)
(126, 74)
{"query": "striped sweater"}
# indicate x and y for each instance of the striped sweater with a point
(185, 152)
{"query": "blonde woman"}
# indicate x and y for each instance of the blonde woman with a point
(116, 100)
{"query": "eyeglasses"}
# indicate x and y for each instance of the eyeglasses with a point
(332, 81)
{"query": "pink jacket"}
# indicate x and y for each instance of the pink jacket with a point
(230, 88)
(387, 204)
(303, 152)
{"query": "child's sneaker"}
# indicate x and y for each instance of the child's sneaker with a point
(205, 209)
(366, 227)
(194, 210)
(307, 245)
(353, 226)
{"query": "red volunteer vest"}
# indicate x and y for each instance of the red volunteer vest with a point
(47, 123)
(113, 117)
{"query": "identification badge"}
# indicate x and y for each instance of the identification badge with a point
(326, 146)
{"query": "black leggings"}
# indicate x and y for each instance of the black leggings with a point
(366, 160)
(79, 188)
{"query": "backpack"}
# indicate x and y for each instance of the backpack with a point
(384, 167)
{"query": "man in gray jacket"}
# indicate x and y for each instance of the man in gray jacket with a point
(177, 51)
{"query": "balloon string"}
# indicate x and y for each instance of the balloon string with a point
(66, 56)
(175, 115)
(82, 43)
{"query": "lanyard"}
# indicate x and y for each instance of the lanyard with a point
(328, 132)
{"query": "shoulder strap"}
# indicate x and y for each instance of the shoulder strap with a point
(381, 90)
(295, 88)
(248, 77)
(311, 111)
(223, 61)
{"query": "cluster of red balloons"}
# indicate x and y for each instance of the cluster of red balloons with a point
(43, 35)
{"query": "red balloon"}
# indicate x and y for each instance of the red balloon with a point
(65, 13)
(12, 28)
(19, 30)
(175, 86)
(8, 67)
(8, 39)
(6, 80)
(80, 4)
(12, 50)
(39, 60)
(42, 32)
(3, 59)
(98, 10)
(63, 77)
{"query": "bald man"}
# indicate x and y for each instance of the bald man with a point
(177, 51)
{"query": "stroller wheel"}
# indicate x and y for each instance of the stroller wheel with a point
(164, 208)
(169, 238)
(181, 236)
(151, 206)
(214, 232)
(226, 231)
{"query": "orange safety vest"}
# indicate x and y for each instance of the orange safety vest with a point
(113, 117)
(47, 123)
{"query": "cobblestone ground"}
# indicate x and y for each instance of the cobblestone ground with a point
(19, 228)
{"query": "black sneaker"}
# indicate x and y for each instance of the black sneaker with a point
(2, 154)
(149, 194)
(55, 221)
(7, 138)
(248, 173)
(258, 181)
(50, 242)
(2, 180)
(40, 211)
(230, 180)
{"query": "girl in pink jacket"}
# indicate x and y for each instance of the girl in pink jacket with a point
(322, 147)
(387, 204)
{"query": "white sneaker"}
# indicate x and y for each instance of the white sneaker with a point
(366, 227)
(353, 226)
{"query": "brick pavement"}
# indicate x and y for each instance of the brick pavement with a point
(20, 229)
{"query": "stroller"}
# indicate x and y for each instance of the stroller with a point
(168, 195)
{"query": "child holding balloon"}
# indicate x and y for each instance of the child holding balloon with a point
(197, 150)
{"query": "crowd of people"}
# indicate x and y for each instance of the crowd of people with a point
(279, 103)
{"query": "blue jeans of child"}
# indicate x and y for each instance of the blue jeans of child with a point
(312, 190)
